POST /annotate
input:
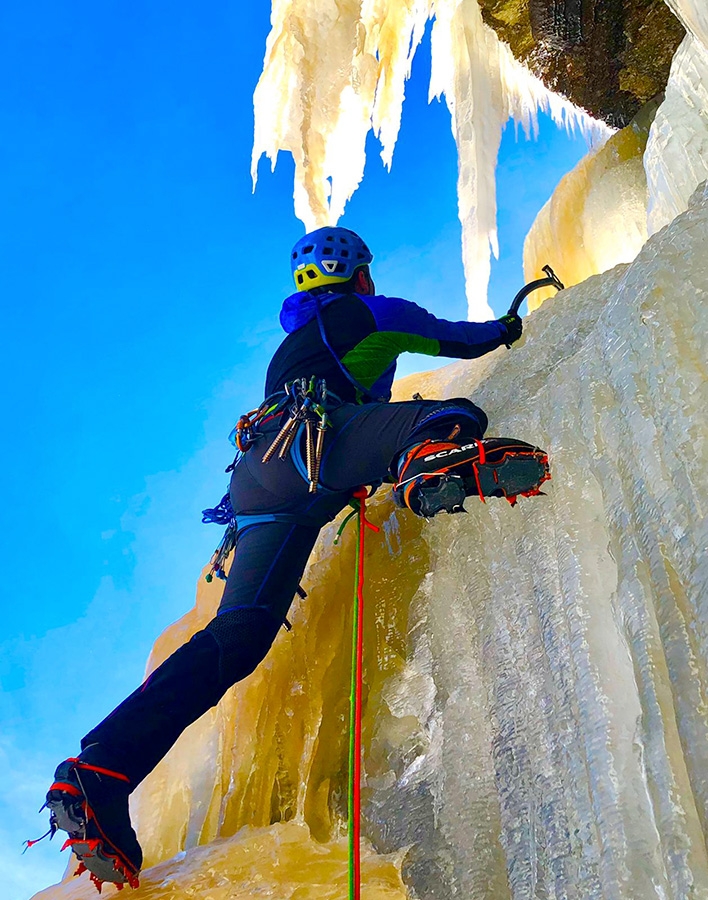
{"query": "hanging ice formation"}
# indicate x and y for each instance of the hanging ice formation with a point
(676, 159)
(335, 70)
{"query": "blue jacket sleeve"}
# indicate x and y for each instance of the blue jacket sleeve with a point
(459, 340)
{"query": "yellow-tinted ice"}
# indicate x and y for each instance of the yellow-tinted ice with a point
(597, 215)
(282, 861)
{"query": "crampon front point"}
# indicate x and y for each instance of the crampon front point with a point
(91, 804)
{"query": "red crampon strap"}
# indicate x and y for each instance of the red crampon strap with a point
(67, 788)
(79, 764)
(29, 844)
(91, 843)
(414, 452)
(475, 470)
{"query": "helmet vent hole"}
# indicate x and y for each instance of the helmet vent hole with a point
(345, 253)
(311, 273)
(328, 251)
(295, 255)
(308, 249)
(329, 238)
(300, 279)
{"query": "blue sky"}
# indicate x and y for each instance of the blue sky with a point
(141, 282)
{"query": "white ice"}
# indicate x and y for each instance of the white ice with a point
(694, 16)
(333, 71)
(676, 158)
(567, 751)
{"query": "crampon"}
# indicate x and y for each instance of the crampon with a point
(91, 804)
(436, 476)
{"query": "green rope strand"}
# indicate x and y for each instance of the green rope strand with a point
(352, 729)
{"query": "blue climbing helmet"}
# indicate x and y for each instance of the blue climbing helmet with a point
(329, 255)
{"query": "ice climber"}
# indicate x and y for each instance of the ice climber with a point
(325, 428)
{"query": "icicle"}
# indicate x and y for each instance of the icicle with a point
(484, 85)
(333, 71)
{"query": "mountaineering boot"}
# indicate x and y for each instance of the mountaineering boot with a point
(91, 803)
(432, 476)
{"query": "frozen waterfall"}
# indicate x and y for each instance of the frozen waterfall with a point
(334, 71)
(536, 712)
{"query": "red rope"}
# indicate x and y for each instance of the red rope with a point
(355, 825)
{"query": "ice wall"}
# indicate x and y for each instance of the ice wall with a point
(535, 722)
(336, 69)
(582, 621)
(676, 159)
(693, 14)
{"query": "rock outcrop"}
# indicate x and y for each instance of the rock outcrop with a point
(608, 56)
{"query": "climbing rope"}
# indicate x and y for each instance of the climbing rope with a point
(355, 699)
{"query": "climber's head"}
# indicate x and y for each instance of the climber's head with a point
(332, 259)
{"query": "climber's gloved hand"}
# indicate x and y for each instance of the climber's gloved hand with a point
(514, 327)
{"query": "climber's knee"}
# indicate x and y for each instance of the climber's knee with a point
(459, 418)
(244, 636)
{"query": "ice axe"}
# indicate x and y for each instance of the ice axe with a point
(551, 280)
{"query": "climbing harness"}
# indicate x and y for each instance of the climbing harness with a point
(307, 411)
(305, 402)
(223, 514)
(243, 436)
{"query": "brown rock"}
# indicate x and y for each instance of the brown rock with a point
(607, 56)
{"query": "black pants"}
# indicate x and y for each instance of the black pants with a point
(279, 521)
